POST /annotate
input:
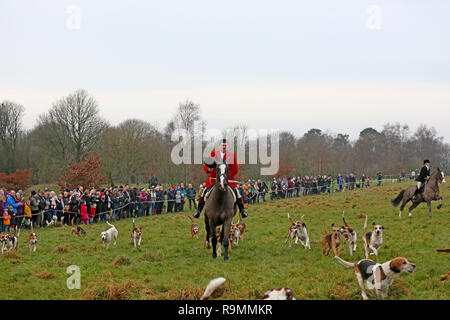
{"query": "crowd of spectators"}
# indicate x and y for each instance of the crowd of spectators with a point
(115, 203)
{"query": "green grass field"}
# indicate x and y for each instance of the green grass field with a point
(171, 265)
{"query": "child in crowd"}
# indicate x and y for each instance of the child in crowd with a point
(84, 213)
(92, 213)
(6, 220)
(178, 202)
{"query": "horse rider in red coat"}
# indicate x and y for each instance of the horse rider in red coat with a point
(222, 154)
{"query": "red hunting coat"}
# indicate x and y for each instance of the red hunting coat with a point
(233, 169)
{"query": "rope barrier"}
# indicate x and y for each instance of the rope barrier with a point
(255, 193)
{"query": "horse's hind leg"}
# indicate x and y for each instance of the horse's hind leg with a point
(415, 204)
(401, 208)
(226, 235)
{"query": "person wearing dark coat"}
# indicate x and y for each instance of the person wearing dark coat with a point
(423, 177)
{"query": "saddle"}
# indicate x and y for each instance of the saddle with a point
(208, 192)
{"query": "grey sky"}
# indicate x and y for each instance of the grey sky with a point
(290, 65)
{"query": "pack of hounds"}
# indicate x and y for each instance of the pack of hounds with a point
(10, 243)
(379, 275)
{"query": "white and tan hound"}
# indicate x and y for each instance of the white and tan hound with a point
(350, 235)
(33, 239)
(136, 235)
(379, 276)
(372, 240)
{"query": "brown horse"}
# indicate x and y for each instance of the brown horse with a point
(220, 209)
(430, 193)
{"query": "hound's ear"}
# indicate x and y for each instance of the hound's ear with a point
(332, 224)
(382, 227)
(373, 223)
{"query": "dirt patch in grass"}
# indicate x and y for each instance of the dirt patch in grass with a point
(121, 260)
(113, 290)
(339, 292)
(157, 255)
(12, 255)
(60, 250)
(45, 275)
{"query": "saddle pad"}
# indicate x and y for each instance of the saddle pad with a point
(209, 192)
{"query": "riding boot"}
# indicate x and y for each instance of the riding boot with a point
(240, 204)
(201, 204)
(414, 197)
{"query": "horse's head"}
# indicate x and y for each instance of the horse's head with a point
(440, 175)
(222, 171)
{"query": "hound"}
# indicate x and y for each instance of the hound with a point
(52, 222)
(212, 287)
(76, 229)
(332, 241)
(274, 294)
(242, 228)
(9, 243)
(279, 294)
(372, 240)
(109, 235)
(235, 234)
(381, 276)
(33, 239)
(136, 235)
(298, 231)
(350, 235)
(194, 228)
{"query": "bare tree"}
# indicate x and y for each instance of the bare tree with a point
(76, 118)
(11, 129)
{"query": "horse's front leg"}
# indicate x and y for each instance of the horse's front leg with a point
(440, 203)
(225, 240)
(214, 245)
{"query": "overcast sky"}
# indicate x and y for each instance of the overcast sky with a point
(340, 66)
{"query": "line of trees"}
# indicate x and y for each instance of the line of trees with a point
(135, 150)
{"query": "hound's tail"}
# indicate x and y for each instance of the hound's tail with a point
(343, 219)
(399, 199)
(212, 287)
(134, 225)
(32, 229)
(72, 221)
(325, 228)
(290, 219)
(345, 263)
(192, 219)
(365, 224)
(110, 224)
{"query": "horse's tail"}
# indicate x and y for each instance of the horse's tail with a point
(212, 287)
(399, 199)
